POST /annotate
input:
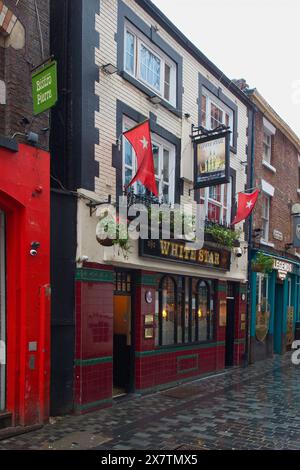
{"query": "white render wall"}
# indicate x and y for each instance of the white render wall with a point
(111, 88)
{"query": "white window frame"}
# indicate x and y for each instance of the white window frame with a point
(141, 40)
(266, 220)
(162, 144)
(211, 99)
(223, 206)
(267, 159)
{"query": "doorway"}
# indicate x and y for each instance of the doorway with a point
(278, 318)
(230, 317)
(2, 313)
(123, 347)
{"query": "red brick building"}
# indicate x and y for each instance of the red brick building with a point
(24, 220)
(274, 295)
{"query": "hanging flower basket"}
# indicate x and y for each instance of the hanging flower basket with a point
(262, 263)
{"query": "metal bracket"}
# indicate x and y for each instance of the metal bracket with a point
(94, 205)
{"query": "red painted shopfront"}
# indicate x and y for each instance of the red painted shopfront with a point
(119, 347)
(25, 288)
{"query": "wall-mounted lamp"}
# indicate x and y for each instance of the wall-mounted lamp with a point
(199, 313)
(244, 163)
(109, 69)
(164, 313)
(288, 246)
(154, 99)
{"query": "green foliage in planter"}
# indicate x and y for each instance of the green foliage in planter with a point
(224, 236)
(262, 263)
(117, 232)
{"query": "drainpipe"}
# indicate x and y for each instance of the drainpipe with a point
(250, 243)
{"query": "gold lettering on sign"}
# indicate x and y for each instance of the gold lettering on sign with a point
(217, 259)
(193, 255)
(201, 256)
(174, 250)
(165, 247)
(181, 251)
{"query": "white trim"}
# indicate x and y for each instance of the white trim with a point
(263, 242)
(267, 188)
(270, 129)
(268, 166)
(298, 191)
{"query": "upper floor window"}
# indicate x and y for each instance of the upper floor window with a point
(265, 216)
(218, 202)
(267, 147)
(149, 65)
(215, 113)
(164, 165)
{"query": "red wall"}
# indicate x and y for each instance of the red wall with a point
(25, 199)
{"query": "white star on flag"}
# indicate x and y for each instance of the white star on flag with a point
(144, 142)
(249, 204)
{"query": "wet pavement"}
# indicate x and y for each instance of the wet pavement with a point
(257, 407)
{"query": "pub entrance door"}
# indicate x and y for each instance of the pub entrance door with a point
(2, 313)
(123, 343)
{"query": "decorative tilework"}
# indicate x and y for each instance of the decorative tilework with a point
(95, 275)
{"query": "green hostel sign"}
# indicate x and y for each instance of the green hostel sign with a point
(44, 88)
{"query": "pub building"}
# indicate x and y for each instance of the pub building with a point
(158, 314)
(275, 295)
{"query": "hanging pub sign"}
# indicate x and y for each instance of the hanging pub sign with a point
(212, 154)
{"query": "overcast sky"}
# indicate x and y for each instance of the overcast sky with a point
(258, 40)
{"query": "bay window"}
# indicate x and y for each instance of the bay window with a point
(164, 166)
(149, 65)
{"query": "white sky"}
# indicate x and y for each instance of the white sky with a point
(253, 39)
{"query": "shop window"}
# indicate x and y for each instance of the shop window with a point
(164, 165)
(168, 311)
(149, 65)
(262, 289)
(189, 320)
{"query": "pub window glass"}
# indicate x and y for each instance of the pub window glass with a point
(203, 311)
(194, 310)
(168, 311)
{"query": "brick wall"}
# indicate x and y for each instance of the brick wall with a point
(20, 51)
(285, 160)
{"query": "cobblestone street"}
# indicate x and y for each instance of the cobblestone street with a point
(253, 408)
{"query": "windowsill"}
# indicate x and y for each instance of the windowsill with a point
(148, 92)
(264, 242)
(185, 345)
(268, 166)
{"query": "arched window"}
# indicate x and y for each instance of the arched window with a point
(167, 311)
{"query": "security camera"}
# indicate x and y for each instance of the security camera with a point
(33, 252)
(238, 252)
(82, 259)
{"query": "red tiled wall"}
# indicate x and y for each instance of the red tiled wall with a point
(94, 342)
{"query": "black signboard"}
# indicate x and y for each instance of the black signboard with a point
(211, 160)
(177, 251)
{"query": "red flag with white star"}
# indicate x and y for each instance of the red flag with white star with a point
(246, 204)
(140, 139)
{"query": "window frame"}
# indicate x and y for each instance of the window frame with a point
(162, 145)
(266, 220)
(267, 133)
(141, 40)
(212, 100)
(182, 285)
(221, 204)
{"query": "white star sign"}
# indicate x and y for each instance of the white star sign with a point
(144, 142)
(249, 205)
